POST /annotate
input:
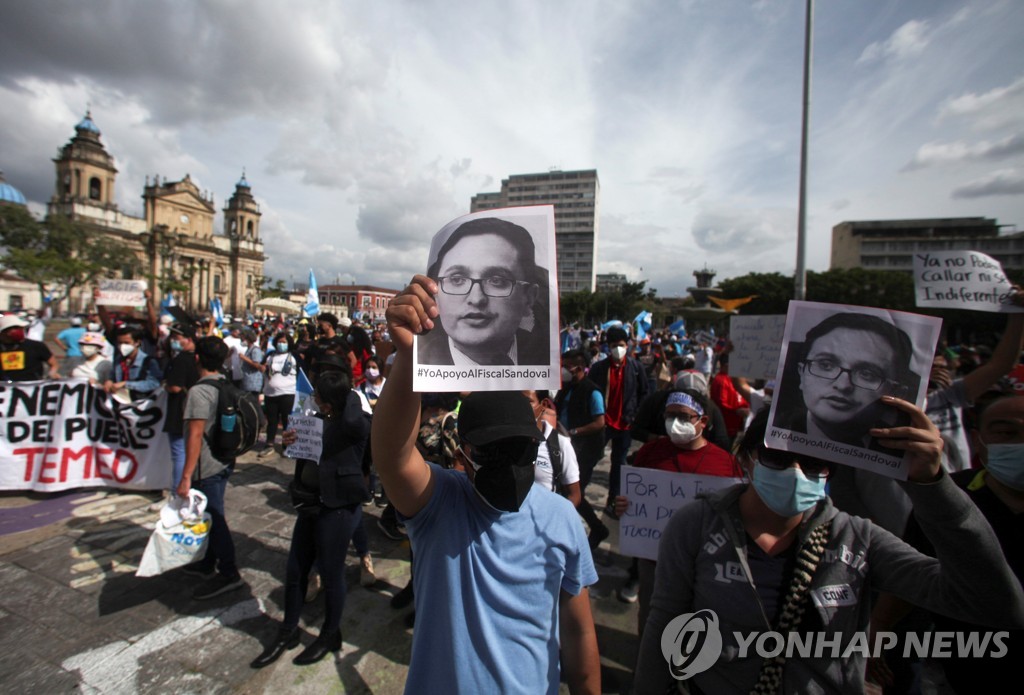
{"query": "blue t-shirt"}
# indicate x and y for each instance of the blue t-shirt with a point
(489, 585)
(70, 337)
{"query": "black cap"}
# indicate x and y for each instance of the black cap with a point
(186, 330)
(487, 416)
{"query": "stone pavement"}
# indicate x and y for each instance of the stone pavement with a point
(73, 616)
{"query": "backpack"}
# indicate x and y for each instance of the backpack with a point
(228, 445)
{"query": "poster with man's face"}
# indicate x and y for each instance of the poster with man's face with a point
(497, 328)
(836, 364)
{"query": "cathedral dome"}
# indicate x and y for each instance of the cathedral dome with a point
(87, 124)
(10, 194)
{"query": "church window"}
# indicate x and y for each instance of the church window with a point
(95, 188)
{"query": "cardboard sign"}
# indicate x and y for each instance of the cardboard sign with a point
(653, 497)
(310, 432)
(962, 280)
(61, 435)
(756, 343)
(122, 293)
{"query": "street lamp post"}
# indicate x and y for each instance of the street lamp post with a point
(800, 284)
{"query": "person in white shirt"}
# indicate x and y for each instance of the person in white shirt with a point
(544, 473)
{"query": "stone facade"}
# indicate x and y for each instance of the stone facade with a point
(175, 239)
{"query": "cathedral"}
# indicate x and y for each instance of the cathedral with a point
(174, 239)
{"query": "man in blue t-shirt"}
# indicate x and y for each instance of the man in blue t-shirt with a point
(503, 564)
(68, 341)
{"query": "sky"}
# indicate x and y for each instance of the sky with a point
(364, 127)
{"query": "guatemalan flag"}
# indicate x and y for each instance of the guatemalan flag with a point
(167, 303)
(217, 309)
(312, 296)
(643, 324)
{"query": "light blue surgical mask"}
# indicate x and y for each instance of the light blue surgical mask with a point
(1005, 462)
(175, 346)
(787, 492)
(282, 347)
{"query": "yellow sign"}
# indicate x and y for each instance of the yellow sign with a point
(12, 361)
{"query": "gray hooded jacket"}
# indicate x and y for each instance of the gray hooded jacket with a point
(700, 566)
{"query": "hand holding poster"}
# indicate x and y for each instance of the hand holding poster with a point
(122, 293)
(653, 497)
(963, 280)
(309, 432)
(756, 342)
(497, 302)
(836, 364)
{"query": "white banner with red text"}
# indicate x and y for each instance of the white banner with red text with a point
(61, 435)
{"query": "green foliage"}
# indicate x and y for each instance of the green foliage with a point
(773, 290)
(269, 287)
(588, 308)
(59, 255)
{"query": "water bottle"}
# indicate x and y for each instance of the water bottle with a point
(228, 419)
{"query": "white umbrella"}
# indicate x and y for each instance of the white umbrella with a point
(278, 305)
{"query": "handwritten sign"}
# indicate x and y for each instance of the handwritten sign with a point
(702, 337)
(122, 293)
(756, 343)
(309, 431)
(653, 497)
(962, 280)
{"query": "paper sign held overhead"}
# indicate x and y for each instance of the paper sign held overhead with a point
(756, 342)
(122, 293)
(962, 280)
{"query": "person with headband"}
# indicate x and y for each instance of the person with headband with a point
(684, 450)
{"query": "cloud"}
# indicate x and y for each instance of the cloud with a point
(996, 108)
(720, 229)
(1003, 182)
(938, 153)
(908, 41)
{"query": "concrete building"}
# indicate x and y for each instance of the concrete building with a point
(891, 244)
(610, 282)
(575, 197)
(364, 302)
(175, 239)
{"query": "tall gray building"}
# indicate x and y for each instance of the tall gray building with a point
(574, 195)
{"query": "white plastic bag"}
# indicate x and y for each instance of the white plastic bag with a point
(180, 536)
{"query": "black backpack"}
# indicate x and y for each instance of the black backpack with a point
(555, 454)
(249, 420)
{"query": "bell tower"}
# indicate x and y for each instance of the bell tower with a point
(242, 213)
(85, 172)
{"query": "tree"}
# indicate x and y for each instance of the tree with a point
(269, 287)
(59, 254)
(773, 290)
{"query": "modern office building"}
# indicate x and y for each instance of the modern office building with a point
(610, 282)
(891, 244)
(574, 195)
(175, 239)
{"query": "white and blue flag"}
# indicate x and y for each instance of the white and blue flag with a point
(643, 324)
(217, 309)
(312, 296)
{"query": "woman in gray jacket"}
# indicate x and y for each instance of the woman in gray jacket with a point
(775, 556)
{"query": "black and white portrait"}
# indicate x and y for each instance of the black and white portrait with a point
(496, 290)
(837, 363)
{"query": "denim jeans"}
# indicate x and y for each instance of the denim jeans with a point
(220, 554)
(177, 443)
(323, 536)
(620, 440)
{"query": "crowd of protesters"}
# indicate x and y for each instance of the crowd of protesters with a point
(660, 402)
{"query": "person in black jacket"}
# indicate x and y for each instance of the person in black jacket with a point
(328, 496)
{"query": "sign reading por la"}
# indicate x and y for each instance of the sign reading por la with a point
(962, 280)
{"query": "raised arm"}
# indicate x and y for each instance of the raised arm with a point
(406, 477)
(1003, 359)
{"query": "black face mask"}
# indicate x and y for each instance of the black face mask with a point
(504, 473)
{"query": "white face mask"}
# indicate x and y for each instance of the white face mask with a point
(680, 431)
(618, 353)
(89, 350)
(126, 349)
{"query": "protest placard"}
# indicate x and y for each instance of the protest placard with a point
(61, 435)
(837, 363)
(497, 302)
(962, 280)
(653, 497)
(121, 293)
(756, 343)
(702, 337)
(309, 432)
